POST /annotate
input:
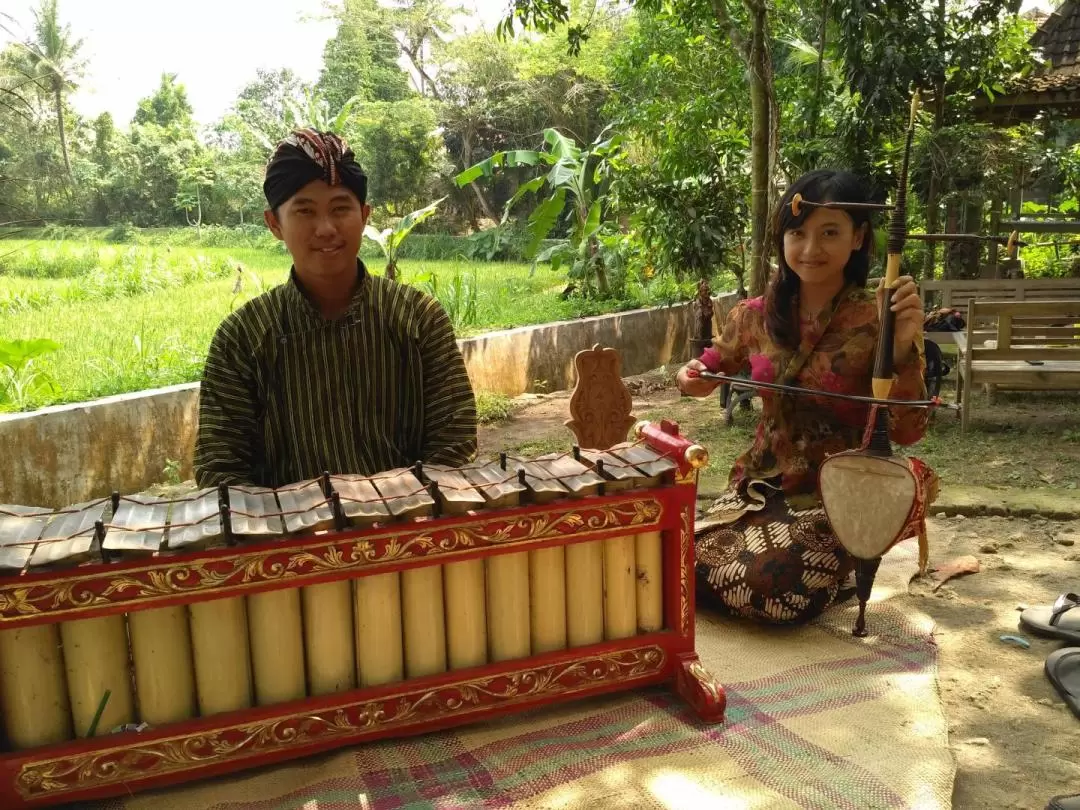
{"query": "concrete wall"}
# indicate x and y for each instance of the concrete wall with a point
(532, 358)
(71, 453)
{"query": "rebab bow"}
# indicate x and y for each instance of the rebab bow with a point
(933, 402)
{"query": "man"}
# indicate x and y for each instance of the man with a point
(336, 369)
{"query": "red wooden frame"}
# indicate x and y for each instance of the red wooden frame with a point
(119, 763)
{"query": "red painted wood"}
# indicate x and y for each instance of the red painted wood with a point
(665, 438)
(698, 688)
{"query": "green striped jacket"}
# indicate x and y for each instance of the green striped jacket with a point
(287, 394)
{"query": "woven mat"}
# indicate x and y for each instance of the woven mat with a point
(816, 719)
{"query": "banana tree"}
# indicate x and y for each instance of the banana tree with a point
(390, 239)
(315, 112)
(577, 176)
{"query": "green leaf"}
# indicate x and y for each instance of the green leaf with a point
(376, 236)
(411, 220)
(802, 53)
(525, 188)
(338, 123)
(485, 168)
(261, 137)
(561, 146)
(555, 253)
(563, 173)
(592, 221)
(16, 353)
(543, 219)
(522, 157)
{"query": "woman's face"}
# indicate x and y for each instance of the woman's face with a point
(819, 249)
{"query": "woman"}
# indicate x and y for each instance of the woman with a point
(773, 556)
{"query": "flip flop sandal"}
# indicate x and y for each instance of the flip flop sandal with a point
(1063, 670)
(1071, 802)
(1062, 621)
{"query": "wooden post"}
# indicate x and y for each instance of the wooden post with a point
(995, 226)
(948, 256)
(973, 223)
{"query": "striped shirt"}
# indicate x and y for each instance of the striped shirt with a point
(287, 394)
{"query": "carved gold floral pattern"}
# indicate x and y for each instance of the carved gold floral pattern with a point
(686, 537)
(77, 592)
(705, 678)
(140, 761)
(688, 477)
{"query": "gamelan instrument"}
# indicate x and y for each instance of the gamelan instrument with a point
(146, 641)
(873, 499)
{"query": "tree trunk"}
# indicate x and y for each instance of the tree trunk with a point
(466, 161)
(602, 286)
(973, 223)
(932, 226)
(949, 250)
(761, 155)
(820, 68)
(996, 205)
(764, 129)
(932, 221)
(59, 96)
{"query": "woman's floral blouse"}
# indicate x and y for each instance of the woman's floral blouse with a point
(797, 432)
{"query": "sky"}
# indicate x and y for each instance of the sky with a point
(214, 46)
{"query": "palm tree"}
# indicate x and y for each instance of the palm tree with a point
(55, 57)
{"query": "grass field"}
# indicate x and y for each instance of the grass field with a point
(130, 317)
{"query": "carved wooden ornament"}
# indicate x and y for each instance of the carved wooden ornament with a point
(600, 406)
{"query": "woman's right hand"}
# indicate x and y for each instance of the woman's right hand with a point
(694, 386)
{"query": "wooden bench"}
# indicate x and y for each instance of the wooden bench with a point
(957, 293)
(1034, 346)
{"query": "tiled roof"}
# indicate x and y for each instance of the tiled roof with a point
(1059, 36)
(1049, 82)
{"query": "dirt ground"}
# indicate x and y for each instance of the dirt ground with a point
(1015, 742)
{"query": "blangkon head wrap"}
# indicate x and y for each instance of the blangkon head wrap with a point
(307, 155)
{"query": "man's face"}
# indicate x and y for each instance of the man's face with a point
(322, 226)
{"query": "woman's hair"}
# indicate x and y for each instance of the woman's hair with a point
(823, 185)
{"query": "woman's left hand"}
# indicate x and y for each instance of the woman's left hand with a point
(907, 304)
